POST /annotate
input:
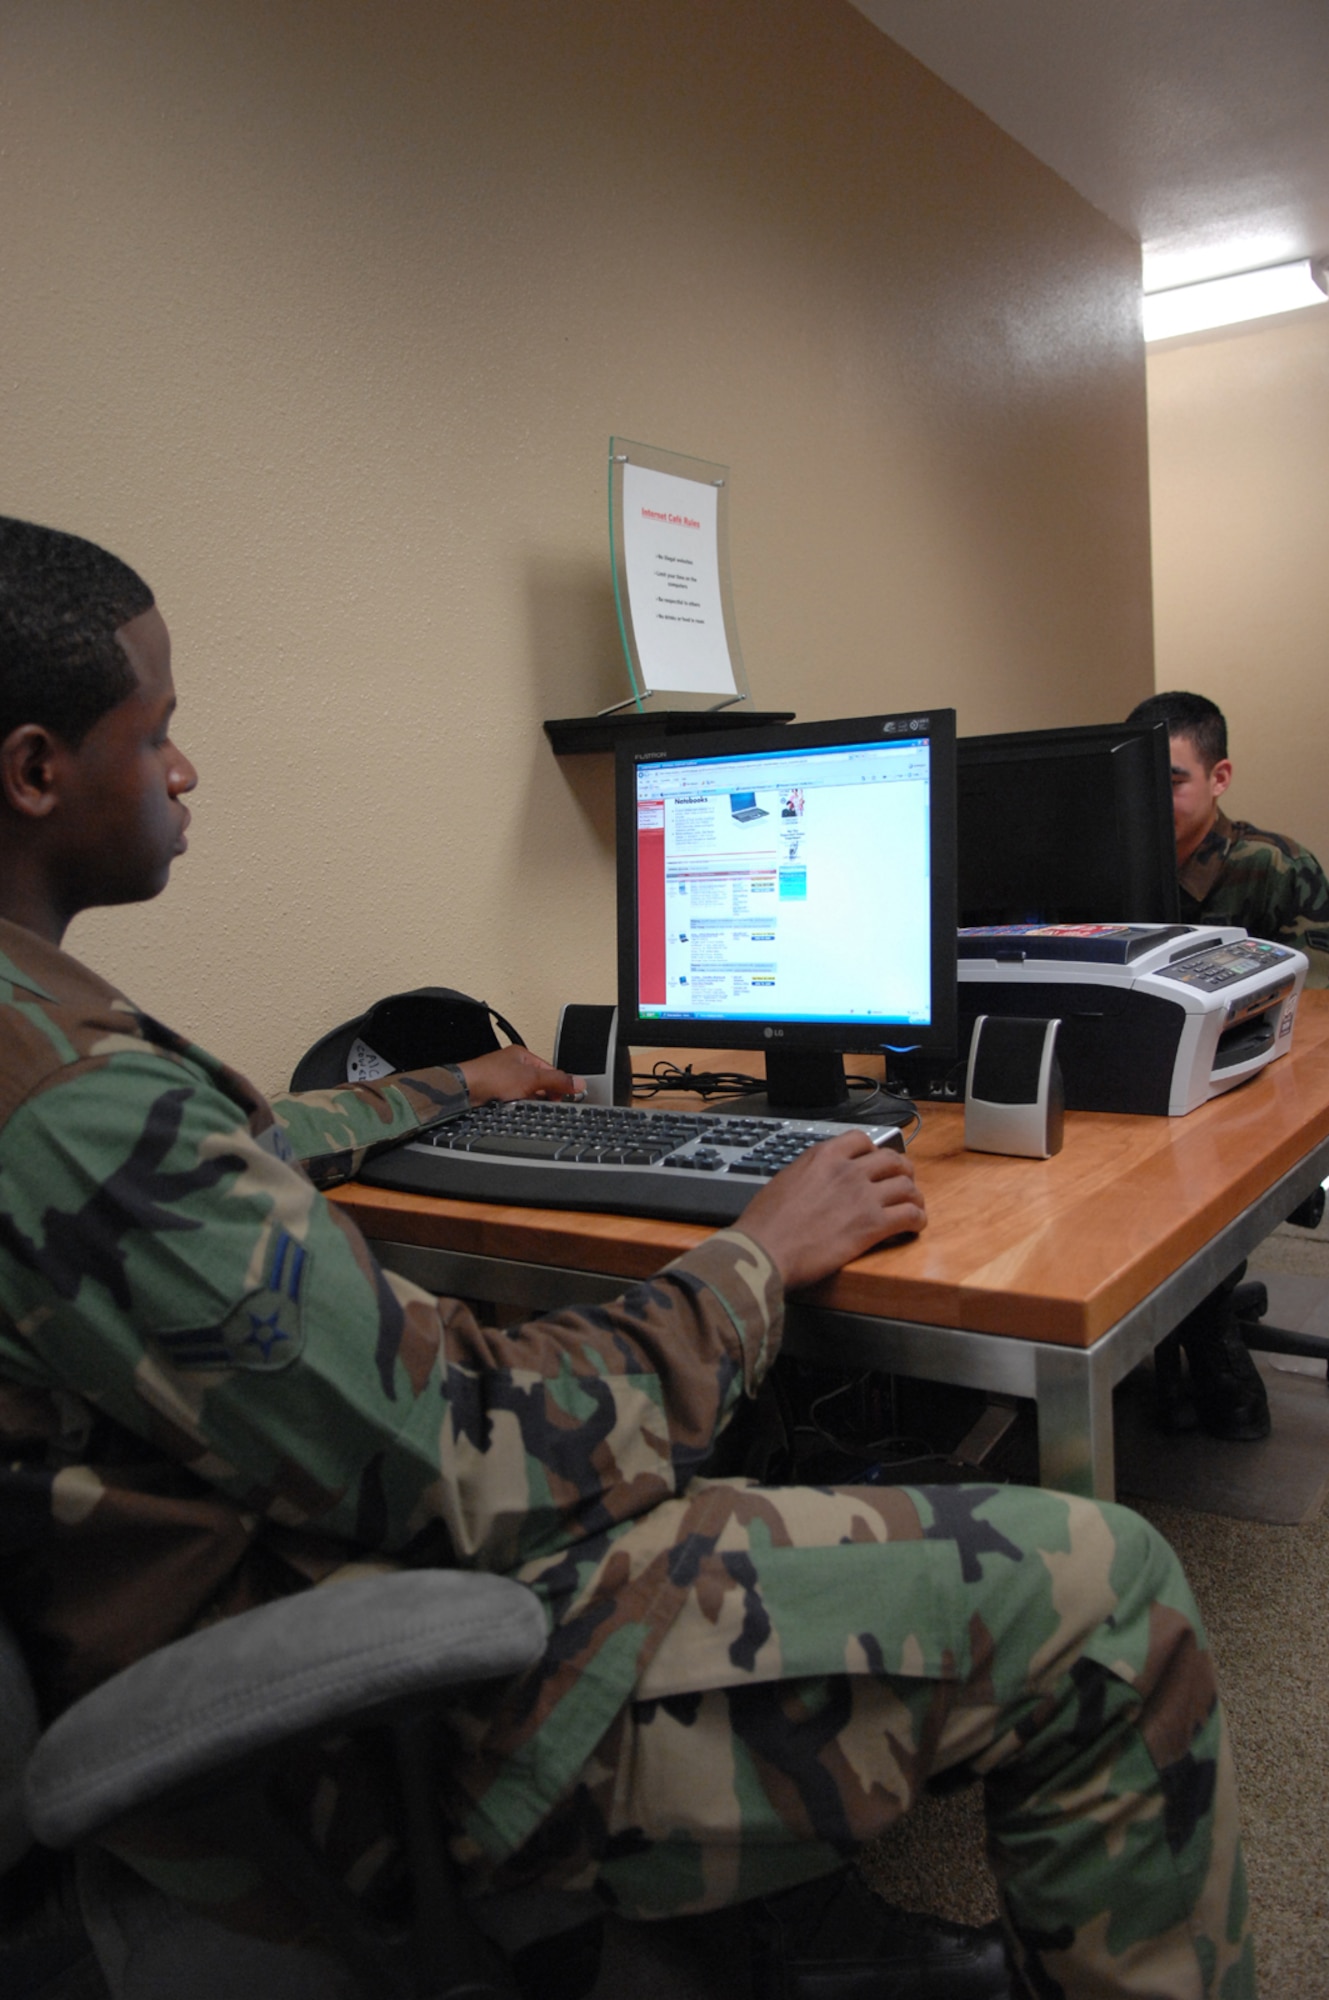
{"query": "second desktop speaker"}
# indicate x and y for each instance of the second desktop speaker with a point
(1014, 1101)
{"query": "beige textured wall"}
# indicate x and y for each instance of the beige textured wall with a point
(1239, 443)
(322, 312)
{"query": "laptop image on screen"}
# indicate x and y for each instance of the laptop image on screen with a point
(743, 805)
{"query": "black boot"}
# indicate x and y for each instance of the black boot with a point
(833, 1939)
(1172, 1389)
(1229, 1390)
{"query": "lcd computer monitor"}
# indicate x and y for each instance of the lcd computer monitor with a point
(1066, 826)
(791, 890)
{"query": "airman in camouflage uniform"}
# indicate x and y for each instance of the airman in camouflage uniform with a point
(211, 1394)
(1229, 872)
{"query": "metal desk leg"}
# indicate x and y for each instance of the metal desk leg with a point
(1075, 1445)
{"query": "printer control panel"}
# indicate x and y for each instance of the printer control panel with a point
(1239, 965)
(1225, 964)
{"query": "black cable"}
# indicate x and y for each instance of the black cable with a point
(665, 1076)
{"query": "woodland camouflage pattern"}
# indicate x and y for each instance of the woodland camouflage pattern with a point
(211, 1394)
(1270, 885)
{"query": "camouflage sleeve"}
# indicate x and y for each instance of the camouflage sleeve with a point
(159, 1259)
(1303, 908)
(1276, 889)
(331, 1131)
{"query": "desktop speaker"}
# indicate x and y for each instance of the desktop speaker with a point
(1014, 1099)
(587, 1044)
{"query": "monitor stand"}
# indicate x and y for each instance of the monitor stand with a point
(811, 1083)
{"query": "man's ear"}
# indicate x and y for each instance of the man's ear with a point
(1220, 777)
(29, 757)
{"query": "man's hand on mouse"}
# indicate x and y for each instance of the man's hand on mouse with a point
(833, 1203)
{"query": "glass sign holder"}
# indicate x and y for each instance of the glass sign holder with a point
(669, 558)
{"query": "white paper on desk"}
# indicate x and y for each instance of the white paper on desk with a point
(672, 559)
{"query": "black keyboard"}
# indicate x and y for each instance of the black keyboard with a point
(692, 1166)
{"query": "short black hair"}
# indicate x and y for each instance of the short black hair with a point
(62, 601)
(1192, 715)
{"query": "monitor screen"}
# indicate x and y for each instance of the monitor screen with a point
(1066, 826)
(791, 890)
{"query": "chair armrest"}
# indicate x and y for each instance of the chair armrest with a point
(250, 1682)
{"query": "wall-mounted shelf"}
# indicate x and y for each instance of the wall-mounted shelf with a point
(575, 735)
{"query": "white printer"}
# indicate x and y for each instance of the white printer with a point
(1155, 1017)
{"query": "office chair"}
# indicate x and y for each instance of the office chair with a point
(209, 1720)
(211, 1716)
(1251, 1300)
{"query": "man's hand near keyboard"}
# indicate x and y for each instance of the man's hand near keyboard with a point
(833, 1203)
(516, 1072)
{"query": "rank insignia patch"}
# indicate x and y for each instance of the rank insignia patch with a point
(264, 1332)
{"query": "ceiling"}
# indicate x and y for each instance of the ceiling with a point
(1201, 126)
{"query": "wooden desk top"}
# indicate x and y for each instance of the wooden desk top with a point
(1054, 1250)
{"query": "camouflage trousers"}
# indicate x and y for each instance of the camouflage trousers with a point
(835, 1652)
(1058, 1659)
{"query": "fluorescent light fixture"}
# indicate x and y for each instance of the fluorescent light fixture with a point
(1228, 301)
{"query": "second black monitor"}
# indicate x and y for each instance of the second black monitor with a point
(1066, 826)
